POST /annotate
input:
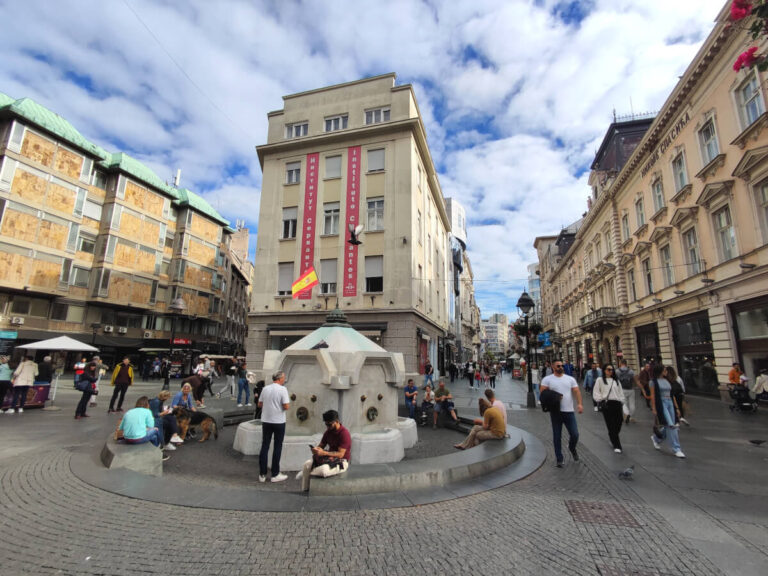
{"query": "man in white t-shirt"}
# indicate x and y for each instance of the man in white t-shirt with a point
(274, 401)
(568, 387)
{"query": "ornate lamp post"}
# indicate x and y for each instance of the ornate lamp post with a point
(525, 304)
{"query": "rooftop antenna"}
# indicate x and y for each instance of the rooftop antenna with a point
(177, 179)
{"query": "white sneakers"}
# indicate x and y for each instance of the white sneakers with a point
(249, 404)
(170, 447)
(597, 409)
(655, 442)
(21, 410)
(680, 454)
(176, 439)
(262, 479)
(617, 450)
(279, 478)
(239, 405)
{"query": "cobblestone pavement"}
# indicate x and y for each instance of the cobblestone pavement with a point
(578, 520)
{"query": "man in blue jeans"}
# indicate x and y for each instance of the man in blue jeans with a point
(567, 387)
(411, 392)
(274, 401)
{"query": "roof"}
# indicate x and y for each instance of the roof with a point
(131, 166)
(50, 121)
(189, 198)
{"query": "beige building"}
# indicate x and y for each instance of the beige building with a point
(470, 314)
(96, 246)
(671, 261)
(496, 335)
(351, 154)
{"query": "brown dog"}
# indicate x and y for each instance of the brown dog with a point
(187, 419)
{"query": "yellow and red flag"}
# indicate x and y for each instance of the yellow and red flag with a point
(305, 282)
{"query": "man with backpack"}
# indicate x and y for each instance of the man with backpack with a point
(628, 381)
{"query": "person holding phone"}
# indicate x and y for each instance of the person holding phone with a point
(332, 455)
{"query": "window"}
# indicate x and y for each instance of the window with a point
(109, 255)
(296, 130)
(116, 211)
(92, 210)
(708, 141)
(104, 284)
(640, 213)
(665, 254)
(86, 244)
(17, 137)
(292, 172)
(74, 232)
(328, 276)
(726, 235)
(648, 275)
(336, 123)
(377, 115)
(419, 231)
(80, 277)
(66, 268)
(67, 312)
(691, 248)
(85, 170)
(631, 283)
(762, 209)
(79, 201)
(333, 167)
(120, 189)
(284, 278)
(598, 250)
(625, 233)
(376, 213)
(331, 218)
(750, 101)
(376, 160)
(374, 273)
(289, 222)
(679, 172)
(658, 195)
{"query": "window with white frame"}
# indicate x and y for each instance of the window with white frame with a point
(648, 276)
(333, 167)
(377, 115)
(86, 244)
(296, 130)
(92, 210)
(598, 250)
(419, 230)
(725, 233)
(334, 123)
(374, 273)
(691, 248)
(331, 218)
(658, 195)
(708, 141)
(80, 277)
(762, 209)
(290, 215)
(625, 233)
(750, 100)
(328, 275)
(284, 278)
(376, 160)
(665, 255)
(640, 212)
(631, 284)
(292, 172)
(375, 214)
(679, 172)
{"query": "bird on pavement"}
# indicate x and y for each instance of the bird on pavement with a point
(628, 473)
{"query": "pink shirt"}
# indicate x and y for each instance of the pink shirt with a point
(503, 409)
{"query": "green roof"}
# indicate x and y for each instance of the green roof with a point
(50, 121)
(128, 164)
(196, 202)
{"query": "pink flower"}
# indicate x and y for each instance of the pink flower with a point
(741, 9)
(746, 59)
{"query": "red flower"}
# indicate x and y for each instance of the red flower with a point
(741, 9)
(746, 59)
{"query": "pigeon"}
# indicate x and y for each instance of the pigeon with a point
(354, 233)
(628, 473)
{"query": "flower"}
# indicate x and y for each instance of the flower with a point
(746, 59)
(741, 9)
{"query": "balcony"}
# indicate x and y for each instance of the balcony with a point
(600, 319)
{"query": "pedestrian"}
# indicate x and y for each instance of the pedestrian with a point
(5, 384)
(489, 427)
(23, 377)
(427, 405)
(165, 373)
(429, 373)
(122, 377)
(567, 387)
(332, 455)
(496, 403)
(548, 369)
(274, 402)
(568, 368)
(411, 392)
(242, 385)
(644, 380)
(535, 380)
(470, 375)
(79, 369)
(101, 370)
(760, 387)
(493, 373)
(85, 384)
(628, 380)
(734, 374)
(665, 411)
(138, 425)
(609, 396)
(678, 391)
(590, 378)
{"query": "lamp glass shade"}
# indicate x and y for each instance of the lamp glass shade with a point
(525, 303)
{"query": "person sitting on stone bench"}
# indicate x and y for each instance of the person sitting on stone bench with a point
(490, 427)
(443, 403)
(335, 459)
(138, 425)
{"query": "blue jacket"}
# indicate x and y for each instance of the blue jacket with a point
(589, 380)
(178, 400)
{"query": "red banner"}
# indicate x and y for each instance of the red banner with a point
(310, 220)
(353, 200)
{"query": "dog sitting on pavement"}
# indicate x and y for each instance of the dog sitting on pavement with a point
(188, 420)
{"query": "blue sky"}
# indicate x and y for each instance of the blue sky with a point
(516, 95)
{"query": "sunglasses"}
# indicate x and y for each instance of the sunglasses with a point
(609, 369)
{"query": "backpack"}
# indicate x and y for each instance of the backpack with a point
(626, 378)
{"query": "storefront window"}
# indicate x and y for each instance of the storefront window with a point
(695, 356)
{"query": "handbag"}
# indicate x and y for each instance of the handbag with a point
(83, 384)
(603, 403)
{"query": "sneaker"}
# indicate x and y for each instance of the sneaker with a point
(684, 421)
(596, 409)
(559, 465)
(617, 450)
(119, 410)
(169, 447)
(110, 411)
(262, 479)
(249, 404)
(239, 405)
(279, 478)
(176, 439)
(166, 457)
(21, 410)
(626, 420)
(680, 454)
(300, 474)
(575, 455)
(655, 442)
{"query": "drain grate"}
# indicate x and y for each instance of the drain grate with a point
(601, 513)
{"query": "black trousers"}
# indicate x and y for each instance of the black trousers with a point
(120, 389)
(613, 414)
(267, 431)
(83, 404)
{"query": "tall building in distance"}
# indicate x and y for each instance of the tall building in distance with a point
(496, 335)
(534, 290)
(336, 157)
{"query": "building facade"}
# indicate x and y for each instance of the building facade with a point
(670, 263)
(94, 245)
(496, 335)
(341, 156)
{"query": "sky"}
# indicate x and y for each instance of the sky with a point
(516, 95)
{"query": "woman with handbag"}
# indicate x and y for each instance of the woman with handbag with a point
(86, 384)
(664, 409)
(609, 399)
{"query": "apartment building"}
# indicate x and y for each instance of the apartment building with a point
(671, 261)
(95, 245)
(340, 156)
(496, 335)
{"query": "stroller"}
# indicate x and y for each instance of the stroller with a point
(742, 402)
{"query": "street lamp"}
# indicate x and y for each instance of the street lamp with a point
(178, 306)
(95, 327)
(525, 304)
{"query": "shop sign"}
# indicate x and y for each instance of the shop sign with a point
(181, 341)
(352, 221)
(8, 334)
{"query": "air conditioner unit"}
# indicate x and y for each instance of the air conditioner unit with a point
(18, 320)
(108, 329)
(122, 330)
(148, 335)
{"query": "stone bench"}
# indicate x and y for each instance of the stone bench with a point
(143, 458)
(425, 472)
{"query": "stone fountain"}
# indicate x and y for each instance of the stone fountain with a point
(336, 367)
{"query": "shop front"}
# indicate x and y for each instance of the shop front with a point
(750, 324)
(692, 339)
(648, 344)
